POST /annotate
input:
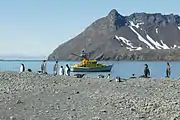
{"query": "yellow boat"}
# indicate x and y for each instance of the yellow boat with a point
(90, 66)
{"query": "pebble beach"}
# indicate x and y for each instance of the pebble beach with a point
(30, 96)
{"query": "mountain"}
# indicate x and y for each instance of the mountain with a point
(139, 36)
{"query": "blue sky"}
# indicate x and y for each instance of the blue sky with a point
(37, 27)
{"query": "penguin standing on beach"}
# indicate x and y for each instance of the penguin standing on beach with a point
(22, 68)
(43, 67)
(146, 71)
(168, 70)
(108, 76)
(67, 70)
(61, 71)
(55, 68)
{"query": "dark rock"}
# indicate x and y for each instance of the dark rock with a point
(79, 75)
(19, 102)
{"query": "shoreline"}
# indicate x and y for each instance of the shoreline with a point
(88, 77)
(46, 97)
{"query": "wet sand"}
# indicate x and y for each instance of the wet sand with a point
(29, 96)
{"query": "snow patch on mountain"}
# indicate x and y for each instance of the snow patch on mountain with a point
(129, 48)
(164, 45)
(125, 41)
(132, 23)
(128, 43)
(157, 30)
(137, 25)
(156, 44)
(179, 27)
(134, 49)
(139, 48)
(141, 38)
(174, 46)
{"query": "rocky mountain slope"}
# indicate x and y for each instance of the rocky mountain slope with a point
(140, 36)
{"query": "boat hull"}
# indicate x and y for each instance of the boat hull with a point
(88, 69)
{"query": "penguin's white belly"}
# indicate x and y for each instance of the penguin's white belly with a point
(21, 69)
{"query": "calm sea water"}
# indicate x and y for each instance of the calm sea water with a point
(120, 68)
